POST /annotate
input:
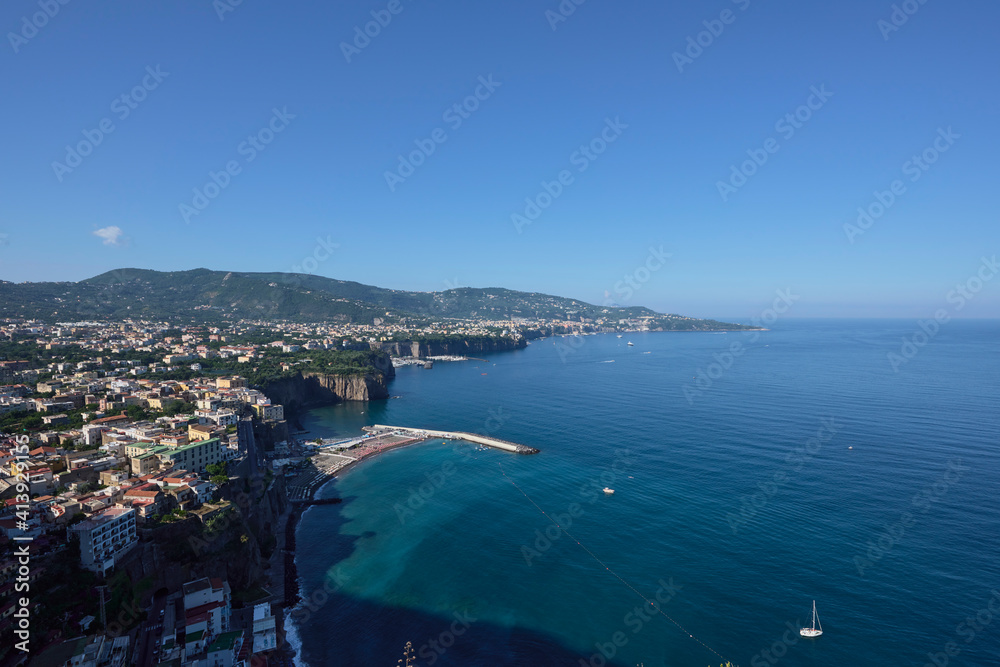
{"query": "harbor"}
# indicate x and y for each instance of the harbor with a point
(333, 456)
(425, 434)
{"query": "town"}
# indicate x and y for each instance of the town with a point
(140, 461)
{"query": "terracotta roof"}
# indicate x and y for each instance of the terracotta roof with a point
(202, 610)
(141, 494)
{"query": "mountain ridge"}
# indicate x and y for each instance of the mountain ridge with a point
(209, 294)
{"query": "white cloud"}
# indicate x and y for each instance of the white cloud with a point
(112, 235)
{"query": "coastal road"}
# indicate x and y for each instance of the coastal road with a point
(149, 635)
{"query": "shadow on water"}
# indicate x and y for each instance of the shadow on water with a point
(340, 629)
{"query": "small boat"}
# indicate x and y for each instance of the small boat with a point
(608, 491)
(813, 631)
(619, 335)
(631, 344)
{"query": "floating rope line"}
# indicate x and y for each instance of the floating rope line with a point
(606, 567)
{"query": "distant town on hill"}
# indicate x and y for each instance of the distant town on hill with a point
(212, 296)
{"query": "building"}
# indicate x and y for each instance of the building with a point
(270, 412)
(224, 651)
(264, 634)
(207, 605)
(193, 457)
(231, 383)
(201, 432)
(143, 464)
(92, 434)
(105, 538)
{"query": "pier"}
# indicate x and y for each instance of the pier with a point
(425, 433)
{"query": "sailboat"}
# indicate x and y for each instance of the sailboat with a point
(813, 631)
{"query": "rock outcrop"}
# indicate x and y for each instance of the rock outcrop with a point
(463, 347)
(308, 390)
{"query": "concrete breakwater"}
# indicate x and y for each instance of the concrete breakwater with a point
(424, 433)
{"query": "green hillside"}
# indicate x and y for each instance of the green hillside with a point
(205, 295)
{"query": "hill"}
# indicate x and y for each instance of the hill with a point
(206, 295)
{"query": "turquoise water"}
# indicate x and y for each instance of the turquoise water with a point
(809, 469)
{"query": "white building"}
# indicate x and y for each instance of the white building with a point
(202, 490)
(105, 538)
(207, 606)
(264, 633)
(92, 434)
(217, 417)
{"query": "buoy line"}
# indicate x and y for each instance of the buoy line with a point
(606, 567)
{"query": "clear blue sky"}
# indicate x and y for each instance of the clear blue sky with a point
(323, 175)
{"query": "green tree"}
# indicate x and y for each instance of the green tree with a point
(136, 413)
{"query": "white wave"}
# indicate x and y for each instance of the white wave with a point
(294, 641)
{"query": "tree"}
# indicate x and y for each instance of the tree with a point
(136, 413)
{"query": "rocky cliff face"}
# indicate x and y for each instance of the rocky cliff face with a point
(458, 347)
(175, 553)
(307, 390)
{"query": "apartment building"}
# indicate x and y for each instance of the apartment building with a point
(105, 538)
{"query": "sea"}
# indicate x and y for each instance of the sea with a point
(854, 463)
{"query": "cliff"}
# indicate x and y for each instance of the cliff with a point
(307, 390)
(235, 548)
(463, 347)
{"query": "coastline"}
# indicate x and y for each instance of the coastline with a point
(291, 647)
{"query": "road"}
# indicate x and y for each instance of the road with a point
(150, 634)
(245, 431)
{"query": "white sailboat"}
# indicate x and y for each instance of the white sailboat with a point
(813, 631)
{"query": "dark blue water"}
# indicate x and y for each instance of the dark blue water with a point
(808, 469)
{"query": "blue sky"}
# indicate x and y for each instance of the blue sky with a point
(200, 81)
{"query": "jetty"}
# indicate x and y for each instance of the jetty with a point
(425, 434)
